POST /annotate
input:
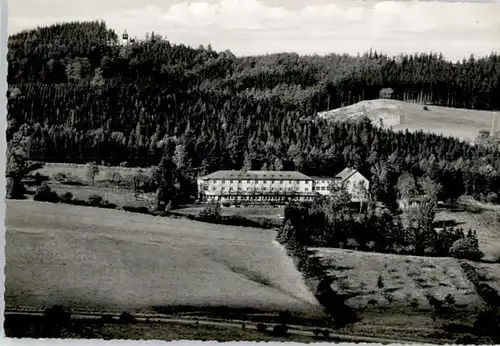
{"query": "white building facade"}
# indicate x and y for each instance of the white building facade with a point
(255, 186)
(276, 186)
(355, 184)
(323, 185)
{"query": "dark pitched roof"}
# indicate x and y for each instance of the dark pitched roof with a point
(321, 178)
(346, 173)
(249, 175)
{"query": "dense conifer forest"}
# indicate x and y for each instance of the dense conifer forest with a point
(77, 95)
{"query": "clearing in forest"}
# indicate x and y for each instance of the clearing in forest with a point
(400, 116)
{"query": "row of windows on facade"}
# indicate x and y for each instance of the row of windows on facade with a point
(262, 181)
(267, 198)
(317, 188)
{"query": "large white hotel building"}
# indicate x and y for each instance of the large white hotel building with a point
(273, 186)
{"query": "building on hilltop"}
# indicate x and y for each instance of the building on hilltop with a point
(276, 186)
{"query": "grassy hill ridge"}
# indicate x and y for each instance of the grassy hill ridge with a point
(400, 116)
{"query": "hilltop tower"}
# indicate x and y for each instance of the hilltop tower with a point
(125, 38)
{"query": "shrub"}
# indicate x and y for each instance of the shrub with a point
(280, 330)
(133, 209)
(66, 197)
(450, 299)
(45, 194)
(352, 243)
(380, 282)
(125, 317)
(261, 327)
(492, 197)
(114, 176)
(106, 205)
(92, 171)
(67, 178)
(36, 179)
(107, 319)
(386, 93)
(139, 182)
(213, 212)
(95, 200)
(226, 204)
(60, 177)
(467, 248)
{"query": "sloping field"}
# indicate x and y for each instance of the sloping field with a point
(91, 258)
(405, 280)
(461, 123)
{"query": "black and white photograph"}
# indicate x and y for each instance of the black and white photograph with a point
(252, 170)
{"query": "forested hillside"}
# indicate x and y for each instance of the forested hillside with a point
(78, 96)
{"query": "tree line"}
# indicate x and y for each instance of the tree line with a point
(76, 95)
(332, 222)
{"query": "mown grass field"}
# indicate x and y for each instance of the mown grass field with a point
(89, 258)
(460, 123)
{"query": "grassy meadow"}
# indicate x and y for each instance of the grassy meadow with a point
(89, 258)
(453, 122)
(115, 195)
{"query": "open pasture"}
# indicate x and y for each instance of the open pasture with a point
(89, 258)
(453, 122)
(118, 196)
(80, 171)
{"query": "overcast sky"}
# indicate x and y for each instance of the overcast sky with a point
(456, 29)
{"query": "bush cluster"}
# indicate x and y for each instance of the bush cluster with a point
(212, 214)
(382, 231)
